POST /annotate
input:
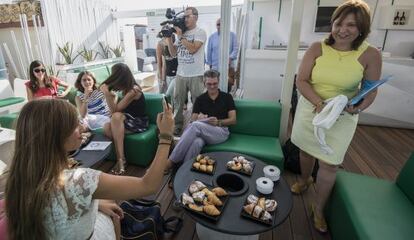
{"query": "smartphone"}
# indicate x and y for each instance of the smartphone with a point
(167, 102)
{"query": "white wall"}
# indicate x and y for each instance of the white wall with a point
(398, 42)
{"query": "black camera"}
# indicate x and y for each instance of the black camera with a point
(174, 20)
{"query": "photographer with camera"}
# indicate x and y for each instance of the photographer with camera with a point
(189, 49)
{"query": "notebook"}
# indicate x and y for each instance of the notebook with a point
(367, 87)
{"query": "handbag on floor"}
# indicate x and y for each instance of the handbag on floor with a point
(143, 221)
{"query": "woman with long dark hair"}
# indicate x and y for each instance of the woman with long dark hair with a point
(128, 114)
(40, 85)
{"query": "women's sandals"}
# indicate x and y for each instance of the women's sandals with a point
(318, 221)
(119, 168)
(298, 188)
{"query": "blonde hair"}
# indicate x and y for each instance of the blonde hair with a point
(39, 158)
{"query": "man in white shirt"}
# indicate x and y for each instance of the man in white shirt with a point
(189, 49)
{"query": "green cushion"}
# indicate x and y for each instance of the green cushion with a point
(71, 95)
(259, 118)
(264, 148)
(405, 180)
(363, 207)
(8, 120)
(10, 101)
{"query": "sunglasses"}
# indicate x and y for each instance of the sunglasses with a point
(39, 70)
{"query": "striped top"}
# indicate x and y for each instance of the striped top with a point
(97, 103)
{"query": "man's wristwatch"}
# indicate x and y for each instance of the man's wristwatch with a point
(165, 136)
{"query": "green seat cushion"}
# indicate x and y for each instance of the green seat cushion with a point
(10, 101)
(8, 120)
(405, 180)
(139, 148)
(259, 118)
(153, 106)
(266, 149)
(363, 207)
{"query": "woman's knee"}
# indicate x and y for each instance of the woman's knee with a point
(117, 117)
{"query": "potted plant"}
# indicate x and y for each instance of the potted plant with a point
(88, 55)
(118, 50)
(106, 53)
(67, 52)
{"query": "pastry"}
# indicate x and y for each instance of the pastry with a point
(199, 157)
(219, 191)
(207, 192)
(261, 203)
(207, 158)
(203, 161)
(241, 159)
(187, 199)
(203, 168)
(196, 165)
(200, 185)
(193, 188)
(237, 166)
(270, 205)
(249, 208)
(214, 200)
(210, 161)
(252, 199)
(195, 207)
(211, 210)
(247, 168)
(257, 211)
(266, 216)
(230, 163)
(199, 196)
(209, 168)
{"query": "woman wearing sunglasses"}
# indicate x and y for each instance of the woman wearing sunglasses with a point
(40, 85)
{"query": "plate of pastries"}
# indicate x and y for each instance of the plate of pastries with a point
(204, 164)
(241, 164)
(205, 200)
(259, 209)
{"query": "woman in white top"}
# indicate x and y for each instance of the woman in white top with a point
(46, 200)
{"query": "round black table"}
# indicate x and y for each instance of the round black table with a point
(231, 221)
(93, 159)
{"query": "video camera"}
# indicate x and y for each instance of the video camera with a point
(174, 20)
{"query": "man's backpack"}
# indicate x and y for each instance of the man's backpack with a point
(143, 221)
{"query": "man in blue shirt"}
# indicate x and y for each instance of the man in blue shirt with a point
(213, 49)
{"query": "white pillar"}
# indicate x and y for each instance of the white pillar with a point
(130, 50)
(224, 43)
(290, 66)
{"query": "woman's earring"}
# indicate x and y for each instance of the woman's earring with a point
(360, 34)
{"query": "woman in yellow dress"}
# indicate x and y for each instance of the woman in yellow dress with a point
(329, 68)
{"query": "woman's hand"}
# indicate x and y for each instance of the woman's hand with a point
(165, 120)
(352, 109)
(104, 88)
(111, 209)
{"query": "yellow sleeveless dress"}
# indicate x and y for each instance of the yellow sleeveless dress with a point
(335, 72)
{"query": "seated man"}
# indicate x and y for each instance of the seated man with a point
(213, 111)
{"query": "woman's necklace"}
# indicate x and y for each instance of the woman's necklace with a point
(342, 53)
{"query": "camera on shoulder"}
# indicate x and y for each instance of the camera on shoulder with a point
(174, 20)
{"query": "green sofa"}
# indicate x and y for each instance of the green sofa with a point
(256, 132)
(363, 207)
(140, 148)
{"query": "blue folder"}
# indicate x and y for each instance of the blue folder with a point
(367, 87)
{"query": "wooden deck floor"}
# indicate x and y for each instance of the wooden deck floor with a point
(374, 151)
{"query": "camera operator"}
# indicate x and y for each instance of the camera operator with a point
(189, 49)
